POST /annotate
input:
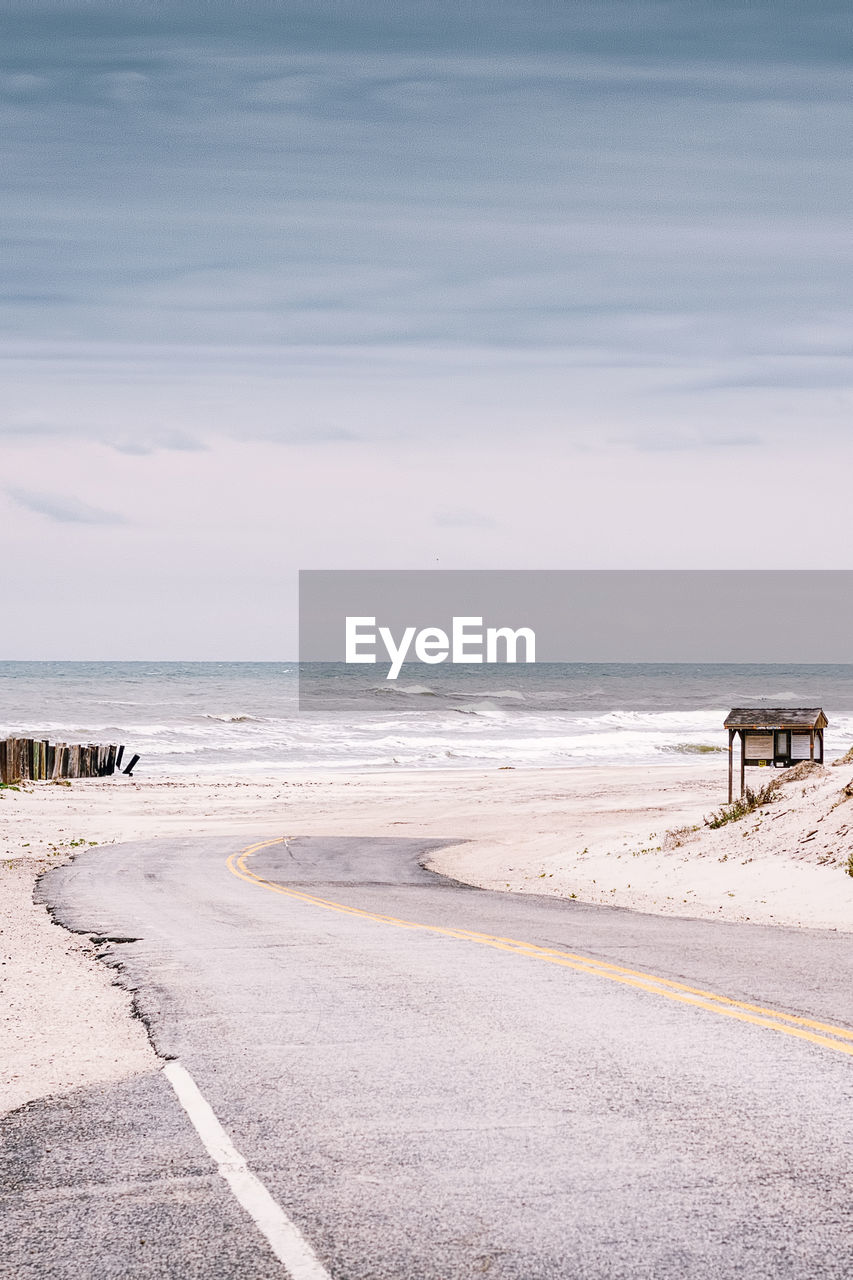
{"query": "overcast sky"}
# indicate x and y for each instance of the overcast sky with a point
(406, 285)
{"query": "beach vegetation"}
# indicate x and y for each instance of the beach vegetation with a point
(846, 794)
(747, 803)
(847, 758)
(678, 836)
(850, 865)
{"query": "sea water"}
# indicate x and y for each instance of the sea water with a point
(241, 718)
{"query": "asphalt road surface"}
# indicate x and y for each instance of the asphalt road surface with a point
(436, 1082)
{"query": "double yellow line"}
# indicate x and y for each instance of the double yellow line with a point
(821, 1033)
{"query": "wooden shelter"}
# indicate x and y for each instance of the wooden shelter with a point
(778, 736)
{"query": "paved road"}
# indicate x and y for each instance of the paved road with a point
(432, 1105)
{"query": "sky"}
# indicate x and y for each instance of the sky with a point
(395, 285)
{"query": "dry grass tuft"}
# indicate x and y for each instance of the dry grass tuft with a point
(678, 836)
(747, 803)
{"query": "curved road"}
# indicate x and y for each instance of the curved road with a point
(436, 1082)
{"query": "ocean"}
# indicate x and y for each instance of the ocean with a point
(245, 718)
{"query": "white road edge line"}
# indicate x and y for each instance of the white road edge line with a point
(283, 1236)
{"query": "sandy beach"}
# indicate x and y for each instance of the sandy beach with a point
(631, 837)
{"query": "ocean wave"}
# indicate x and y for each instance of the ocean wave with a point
(235, 719)
(657, 721)
(416, 690)
(80, 732)
(486, 709)
(450, 694)
(513, 695)
(462, 719)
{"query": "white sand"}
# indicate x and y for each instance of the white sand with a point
(63, 1023)
(598, 834)
(786, 863)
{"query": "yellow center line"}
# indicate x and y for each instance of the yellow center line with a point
(822, 1033)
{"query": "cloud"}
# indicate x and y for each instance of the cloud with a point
(64, 509)
(620, 186)
(143, 442)
(791, 377)
(593, 158)
(140, 443)
(749, 29)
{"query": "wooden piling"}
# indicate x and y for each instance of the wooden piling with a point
(37, 760)
(130, 768)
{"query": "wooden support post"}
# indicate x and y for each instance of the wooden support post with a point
(731, 739)
(811, 744)
(742, 736)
